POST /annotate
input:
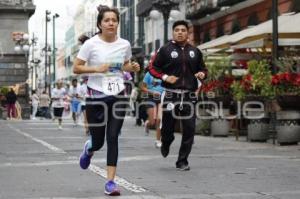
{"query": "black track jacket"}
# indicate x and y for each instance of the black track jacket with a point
(181, 61)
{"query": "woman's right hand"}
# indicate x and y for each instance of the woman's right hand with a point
(103, 68)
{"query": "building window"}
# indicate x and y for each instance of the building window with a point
(150, 47)
(269, 16)
(236, 27)
(157, 44)
(220, 30)
(206, 37)
(253, 20)
(295, 6)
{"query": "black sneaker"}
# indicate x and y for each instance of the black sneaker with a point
(164, 150)
(183, 167)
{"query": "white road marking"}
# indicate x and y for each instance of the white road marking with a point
(74, 160)
(58, 137)
(44, 128)
(49, 146)
(93, 168)
(120, 181)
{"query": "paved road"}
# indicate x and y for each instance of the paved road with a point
(39, 161)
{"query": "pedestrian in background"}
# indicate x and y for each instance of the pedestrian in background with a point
(152, 90)
(74, 95)
(44, 105)
(34, 104)
(83, 94)
(11, 99)
(180, 66)
(58, 96)
(104, 57)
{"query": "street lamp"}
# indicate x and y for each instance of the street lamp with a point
(36, 63)
(33, 42)
(47, 19)
(54, 48)
(21, 40)
(47, 52)
(166, 8)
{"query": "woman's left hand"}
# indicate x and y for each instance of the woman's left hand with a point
(135, 66)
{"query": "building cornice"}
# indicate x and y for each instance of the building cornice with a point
(226, 12)
(30, 9)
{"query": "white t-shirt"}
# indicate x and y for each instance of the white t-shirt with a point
(95, 52)
(73, 92)
(60, 94)
(83, 93)
(35, 99)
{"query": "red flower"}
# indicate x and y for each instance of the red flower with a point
(221, 85)
(275, 79)
(289, 82)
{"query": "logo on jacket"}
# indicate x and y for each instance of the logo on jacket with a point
(192, 54)
(174, 54)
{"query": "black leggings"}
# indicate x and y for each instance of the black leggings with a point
(106, 115)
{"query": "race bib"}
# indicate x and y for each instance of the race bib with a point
(112, 85)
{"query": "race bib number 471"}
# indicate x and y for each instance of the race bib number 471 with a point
(112, 85)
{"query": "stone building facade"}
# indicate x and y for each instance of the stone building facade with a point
(14, 15)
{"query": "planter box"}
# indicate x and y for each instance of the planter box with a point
(288, 134)
(288, 115)
(202, 127)
(220, 128)
(258, 131)
(289, 102)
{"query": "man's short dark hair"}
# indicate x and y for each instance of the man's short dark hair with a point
(180, 22)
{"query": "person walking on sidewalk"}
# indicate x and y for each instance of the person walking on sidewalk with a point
(11, 99)
(44, 105)
(181, 67)
(104, 57)
(34, 104)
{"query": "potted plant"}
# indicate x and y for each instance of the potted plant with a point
(216, 89)
(287, 86)
(256, 87)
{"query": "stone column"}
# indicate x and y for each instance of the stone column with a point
(14, 16)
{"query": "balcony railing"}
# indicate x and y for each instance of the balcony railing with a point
(200, 8)
(222, 3)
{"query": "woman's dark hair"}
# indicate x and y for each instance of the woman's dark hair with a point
(180, 22)
(82, 38)
(103, 9)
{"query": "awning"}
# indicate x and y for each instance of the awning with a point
(258, 34)
(267, 43)
(217, 43)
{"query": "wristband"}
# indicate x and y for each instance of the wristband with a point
(164, 77)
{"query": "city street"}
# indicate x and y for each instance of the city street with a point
(39, 161)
